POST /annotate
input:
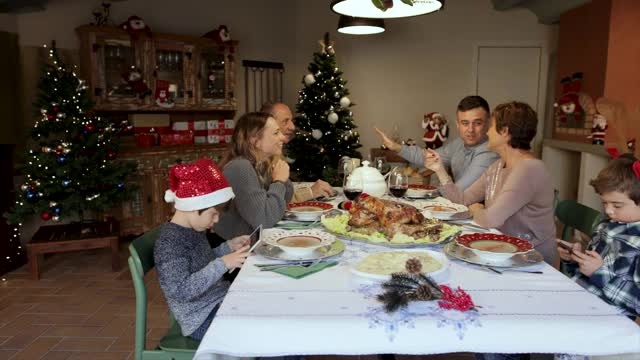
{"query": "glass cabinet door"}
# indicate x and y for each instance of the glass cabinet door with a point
(120, 78)
(212, 76)
(169, 72)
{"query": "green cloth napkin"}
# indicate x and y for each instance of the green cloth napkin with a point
(298, 272)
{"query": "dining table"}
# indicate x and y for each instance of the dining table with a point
(336, 312)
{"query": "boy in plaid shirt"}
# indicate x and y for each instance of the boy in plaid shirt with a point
(611, 268)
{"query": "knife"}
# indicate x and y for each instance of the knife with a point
(468, 225)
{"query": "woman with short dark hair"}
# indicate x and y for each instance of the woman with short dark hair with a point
(516, 190)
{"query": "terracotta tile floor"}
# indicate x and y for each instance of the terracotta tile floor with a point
(79, 309)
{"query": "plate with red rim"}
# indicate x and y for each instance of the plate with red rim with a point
(420, 191)
(308, 210)
(444, 211)
(494, 247)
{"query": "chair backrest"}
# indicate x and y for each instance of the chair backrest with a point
(577, 216)
(141, 250)
(140, 263)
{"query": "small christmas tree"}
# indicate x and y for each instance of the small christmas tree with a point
(326, 131)
(70, 169)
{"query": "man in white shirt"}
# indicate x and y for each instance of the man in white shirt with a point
(466, 157)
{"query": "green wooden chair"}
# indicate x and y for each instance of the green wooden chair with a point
(173, 346)
(574, 215)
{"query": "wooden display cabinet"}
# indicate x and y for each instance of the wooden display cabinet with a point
(201, 78)
(108, 55)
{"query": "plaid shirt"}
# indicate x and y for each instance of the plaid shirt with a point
(617, 281)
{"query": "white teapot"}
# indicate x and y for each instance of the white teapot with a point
(373, 182)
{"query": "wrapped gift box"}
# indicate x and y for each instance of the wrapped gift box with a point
(146, 140)
(213, 136)
(181, 138)
(150, 130)
(149, 120)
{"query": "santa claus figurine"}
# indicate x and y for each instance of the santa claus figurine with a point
(436, 130)
(598, 130)
(162, 94)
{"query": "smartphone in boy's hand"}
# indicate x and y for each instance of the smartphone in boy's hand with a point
(565, 246)
(255, 238)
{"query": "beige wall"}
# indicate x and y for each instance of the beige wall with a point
(420, 64)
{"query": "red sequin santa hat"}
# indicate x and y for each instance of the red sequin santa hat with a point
(197, 186)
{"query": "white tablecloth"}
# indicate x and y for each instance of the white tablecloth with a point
(335, 312)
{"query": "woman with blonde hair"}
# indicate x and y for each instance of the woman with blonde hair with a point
(258, 175)
(517, 190)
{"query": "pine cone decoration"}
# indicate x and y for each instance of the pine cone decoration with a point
(424, 293)
(413, 266)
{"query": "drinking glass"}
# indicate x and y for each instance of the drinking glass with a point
(352, 186)
(398, 184)
(345, 166)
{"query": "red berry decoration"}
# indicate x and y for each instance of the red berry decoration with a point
(45, 215)
(456, 300)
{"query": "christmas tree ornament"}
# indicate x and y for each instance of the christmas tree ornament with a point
(24, 187)
(59, 149)
(46, 149)
(55, 218)
(344, 101)
(598, 130)
(90, 127)
(336, 95)
(331, 108)
(43, 111)
(333, 118)
(309, 79)
(317, 134)
(60, 115)
(111, 155)
(52, 203)
(45, 216)
(61, 159)
(120, 186)
(56, 211)
(66, 183)
(30, 195)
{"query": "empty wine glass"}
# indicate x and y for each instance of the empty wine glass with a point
(398, 184)
(345, 166)
(352, 186)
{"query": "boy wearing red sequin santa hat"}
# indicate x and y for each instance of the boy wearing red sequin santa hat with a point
(190, 272)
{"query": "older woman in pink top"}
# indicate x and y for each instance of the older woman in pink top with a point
(516, 190)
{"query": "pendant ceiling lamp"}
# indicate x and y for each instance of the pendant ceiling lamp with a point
(385, 9)
(360, 26)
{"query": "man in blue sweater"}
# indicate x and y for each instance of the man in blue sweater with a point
(466, 157)
(189, 270)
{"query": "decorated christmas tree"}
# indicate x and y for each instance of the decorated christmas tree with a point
(71, 169)
(326, 131)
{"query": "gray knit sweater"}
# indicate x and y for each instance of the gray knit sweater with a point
(190, 274)
(253, 204)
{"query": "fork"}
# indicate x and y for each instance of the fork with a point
(503, 270)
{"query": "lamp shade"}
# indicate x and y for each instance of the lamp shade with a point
(366, 9)
(360, 26)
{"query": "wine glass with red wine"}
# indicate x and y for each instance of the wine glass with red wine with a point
(352, 186)
(398, 184)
